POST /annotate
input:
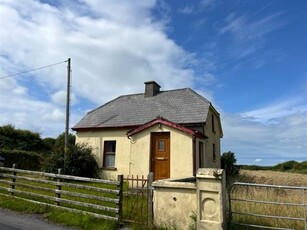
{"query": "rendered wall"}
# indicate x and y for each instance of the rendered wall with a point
(133, 156)
(96, 140)
(213, 138)
(211, 203)
(181, 152)
(176, 201)
(174, 204)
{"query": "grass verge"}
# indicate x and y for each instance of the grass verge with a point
(66, 218)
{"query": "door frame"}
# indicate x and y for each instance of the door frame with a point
(151, 160)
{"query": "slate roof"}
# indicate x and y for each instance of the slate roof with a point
(181, 106)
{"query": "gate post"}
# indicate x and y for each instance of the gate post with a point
(150, 198)
(211, 191)
(120, 179)
(13, 180)
(58, 188)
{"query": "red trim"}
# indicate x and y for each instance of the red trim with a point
(160, 120)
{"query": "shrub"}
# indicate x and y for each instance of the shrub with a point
(228, 161)
(23, 159)
(11, 138)
(79, 161)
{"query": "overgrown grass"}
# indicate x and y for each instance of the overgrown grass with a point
(58, 215)
(134, 204)
(270, 195)
(66, 218)
(27, 186)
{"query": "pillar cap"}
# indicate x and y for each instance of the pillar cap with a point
(209, 173)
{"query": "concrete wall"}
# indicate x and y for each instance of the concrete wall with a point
(211, 203)
(174, 203)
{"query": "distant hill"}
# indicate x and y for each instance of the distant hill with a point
(288, 166)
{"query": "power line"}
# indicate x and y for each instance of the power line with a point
(31, 70)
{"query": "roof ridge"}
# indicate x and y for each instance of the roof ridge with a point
(200, 96)
(164, 91)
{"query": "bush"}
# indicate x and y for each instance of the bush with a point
(11, 138)
(228, 161)
(79, 161)
(286, 166)
(23, 159)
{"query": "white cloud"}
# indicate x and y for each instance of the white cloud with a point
(60, 98)
(272, 113)
(258, 160)
(114, 46)
(197, 8)
(189, 9)
(55, 116)
(271, 133)
(250, 34)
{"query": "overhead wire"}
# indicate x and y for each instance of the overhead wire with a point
(31, 70)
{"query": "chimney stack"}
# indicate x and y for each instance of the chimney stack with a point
(152, 88)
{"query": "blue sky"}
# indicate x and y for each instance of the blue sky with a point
(249, 58)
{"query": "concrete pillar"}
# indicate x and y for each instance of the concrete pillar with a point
(211, 191)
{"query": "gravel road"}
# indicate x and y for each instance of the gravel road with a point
(18, 221)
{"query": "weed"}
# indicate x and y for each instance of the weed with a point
(193, 225)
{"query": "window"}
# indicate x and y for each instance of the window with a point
(161, 145)
(213, 152)
(109, 154)
(212, 123)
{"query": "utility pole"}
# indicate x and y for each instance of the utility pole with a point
(67, 106)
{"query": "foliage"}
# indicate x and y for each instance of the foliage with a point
(193, 225)
(286, 166)
(49, 143)
(228, 161)
(60, 141)
(254, 167)
(18, 139)
(79, 161)
(23, 159)
(289, 166)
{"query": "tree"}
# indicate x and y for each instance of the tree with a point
(49, 143)
(60, 141)
(228, 161)
(79, 161)
(18, 139)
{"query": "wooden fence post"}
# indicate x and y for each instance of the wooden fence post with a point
(13, 180)
(58, 187)
(150, 198)
(120, 178)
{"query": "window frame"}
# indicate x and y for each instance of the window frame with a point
(212, 123)
(213, 152)
(108, 153)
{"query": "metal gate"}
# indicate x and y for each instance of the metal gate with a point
(137, 200)
(260, 206)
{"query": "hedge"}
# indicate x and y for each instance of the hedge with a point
(23, 159)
